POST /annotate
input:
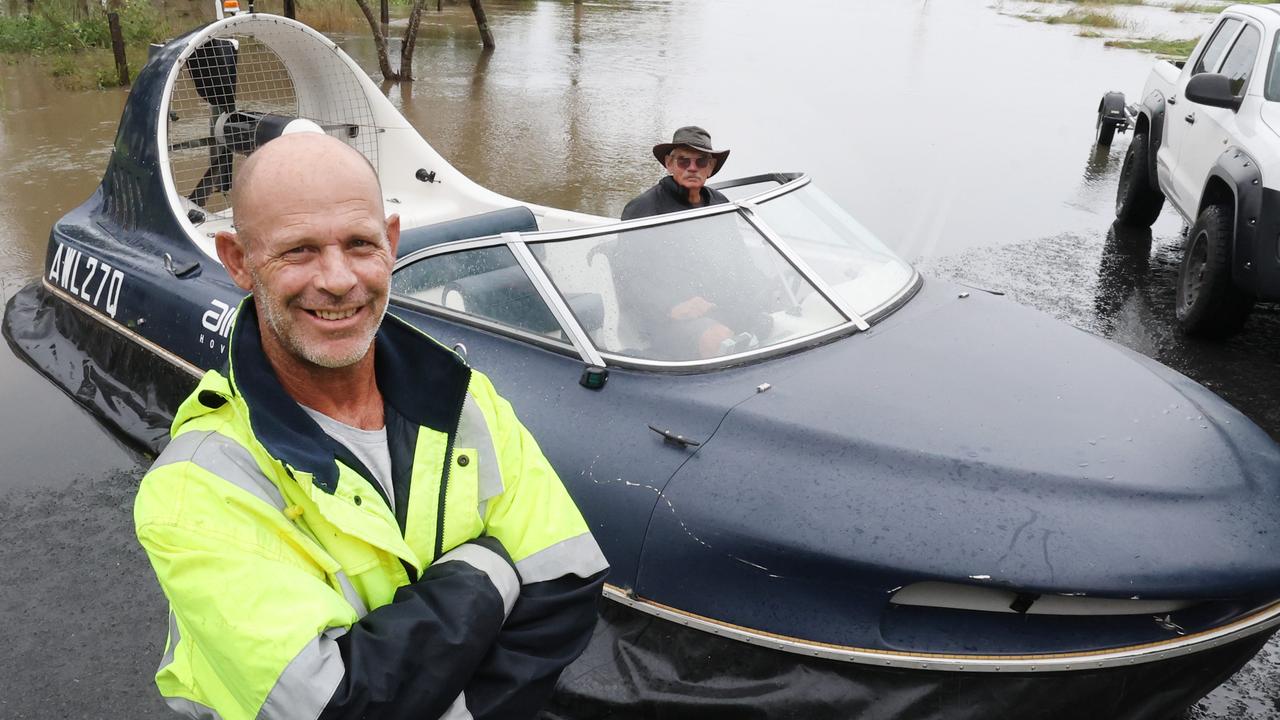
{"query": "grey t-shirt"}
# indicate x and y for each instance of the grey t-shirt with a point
(369, 446)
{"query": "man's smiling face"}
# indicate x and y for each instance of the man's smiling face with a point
(317, 254)
(321, 280)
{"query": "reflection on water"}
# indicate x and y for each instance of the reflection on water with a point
(1124, 268)
(53, 147)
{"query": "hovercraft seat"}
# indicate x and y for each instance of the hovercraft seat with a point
(496, 222)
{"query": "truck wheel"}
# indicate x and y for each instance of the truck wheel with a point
(1104, 131)
(1137, 203)
(1209, 304)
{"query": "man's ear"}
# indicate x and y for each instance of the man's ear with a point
(232, 254)
(393, 233)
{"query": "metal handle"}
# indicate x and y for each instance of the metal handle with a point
(1191, 118)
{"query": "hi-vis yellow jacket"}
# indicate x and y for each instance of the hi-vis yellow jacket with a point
(296, 592)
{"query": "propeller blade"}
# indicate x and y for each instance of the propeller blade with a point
(217, 178)
(192, 144)
(213, 69)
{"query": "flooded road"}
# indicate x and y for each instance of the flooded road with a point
(959, 133)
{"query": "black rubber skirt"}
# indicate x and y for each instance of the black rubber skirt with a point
(640, 666)
(125, 385)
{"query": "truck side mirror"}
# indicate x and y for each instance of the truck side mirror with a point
(1212, 89)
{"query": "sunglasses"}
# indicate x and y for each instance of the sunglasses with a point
(682, 161)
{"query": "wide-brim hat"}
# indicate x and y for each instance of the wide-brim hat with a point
(694, 137)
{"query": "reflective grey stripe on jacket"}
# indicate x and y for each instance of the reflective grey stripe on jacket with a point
(473, 432)
(183, 706)
(304, 688)
(229, 460)
(306, 684)
(579, 555)
(494, 567)
(191, 709)
(301, 691)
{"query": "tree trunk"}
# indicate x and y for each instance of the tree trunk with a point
(483, 23)
(386, 20)
(117, 44)
(290, 10)
(380, 42)
(410, 40)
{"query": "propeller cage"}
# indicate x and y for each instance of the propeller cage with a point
(240, 87)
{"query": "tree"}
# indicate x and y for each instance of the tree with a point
(411, 37)
(380, 43)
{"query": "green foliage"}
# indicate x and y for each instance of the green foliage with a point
(1177, 49)
(64, 66)
(57, 29)
(105, 76)
(1087, 19)
(43, 33)
(140, 24)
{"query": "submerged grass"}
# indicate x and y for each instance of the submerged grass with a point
(1195, 7)
(1086, 18)
(94, 68)
(1161, 46)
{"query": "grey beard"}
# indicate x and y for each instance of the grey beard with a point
(279, 324)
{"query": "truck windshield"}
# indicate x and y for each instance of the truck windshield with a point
(1272, 91)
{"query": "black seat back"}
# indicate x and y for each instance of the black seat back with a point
(512, 219)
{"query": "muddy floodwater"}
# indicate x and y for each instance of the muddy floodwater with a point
(959, 132)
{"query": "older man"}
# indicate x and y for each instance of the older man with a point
(689, 160)
(351, 523)
(694, 294)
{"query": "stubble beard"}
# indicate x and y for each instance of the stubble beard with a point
(277, 317)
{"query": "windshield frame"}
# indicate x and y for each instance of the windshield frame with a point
(579, 340)
(1273, 67)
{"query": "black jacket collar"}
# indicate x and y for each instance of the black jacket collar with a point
(420, 379)
(680, 195)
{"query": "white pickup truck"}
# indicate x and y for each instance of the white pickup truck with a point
(1206, 136)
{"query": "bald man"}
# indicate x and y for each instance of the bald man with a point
(350, 522)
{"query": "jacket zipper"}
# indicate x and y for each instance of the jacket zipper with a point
(444, 481)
